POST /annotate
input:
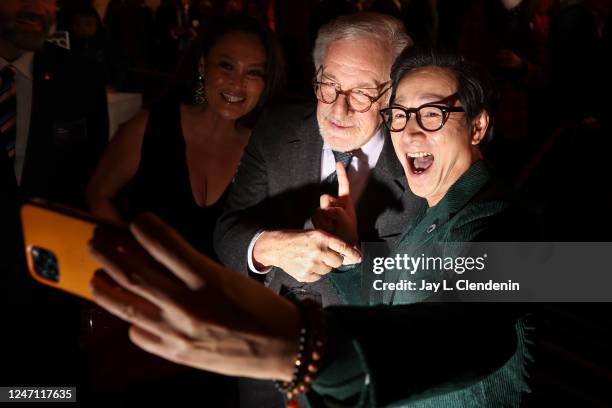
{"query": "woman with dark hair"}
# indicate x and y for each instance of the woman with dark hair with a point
(177, 160)
(378, 350)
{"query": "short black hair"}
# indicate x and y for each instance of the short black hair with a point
(474, 87)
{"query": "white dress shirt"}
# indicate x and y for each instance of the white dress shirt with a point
(359, 170)
(23, 82)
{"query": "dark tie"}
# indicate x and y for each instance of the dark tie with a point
(330, 184)
(8, 113)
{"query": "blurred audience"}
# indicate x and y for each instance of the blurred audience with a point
(130, 26)
(502, 36)
(419, 16)
(577, 61)
(176, 24)
(88, 39)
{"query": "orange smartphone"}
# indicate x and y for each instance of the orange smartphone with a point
(56, 243)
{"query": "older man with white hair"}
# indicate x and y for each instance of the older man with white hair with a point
(267, 227)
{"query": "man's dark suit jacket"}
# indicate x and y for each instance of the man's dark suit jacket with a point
(278, 186)
(68, 129)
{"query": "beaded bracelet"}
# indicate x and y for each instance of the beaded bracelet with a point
(310, 351)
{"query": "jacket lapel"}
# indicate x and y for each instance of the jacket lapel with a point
(303, 155)
(41, 79)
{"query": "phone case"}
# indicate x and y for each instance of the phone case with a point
(56, 243)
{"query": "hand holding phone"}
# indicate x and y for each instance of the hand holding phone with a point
(56, 243)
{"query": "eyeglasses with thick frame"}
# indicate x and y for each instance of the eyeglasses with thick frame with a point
(430, 116)
(354, 97)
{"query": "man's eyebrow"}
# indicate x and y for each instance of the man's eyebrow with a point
(368, 85)
(331, 77)
(432, 97)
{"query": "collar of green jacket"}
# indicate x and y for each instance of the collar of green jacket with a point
(464, 189)
(456, 198)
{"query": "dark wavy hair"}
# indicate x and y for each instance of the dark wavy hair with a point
(474, 86)
(213, 31)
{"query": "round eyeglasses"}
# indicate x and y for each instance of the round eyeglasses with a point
(359, 99)
(430, 117)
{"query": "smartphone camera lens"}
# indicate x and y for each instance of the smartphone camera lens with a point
(45, 263)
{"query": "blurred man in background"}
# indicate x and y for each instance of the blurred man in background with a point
(53, 124)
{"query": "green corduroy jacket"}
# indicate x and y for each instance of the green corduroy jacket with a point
(399, 352)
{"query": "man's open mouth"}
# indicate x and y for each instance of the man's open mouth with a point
(419, 162)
